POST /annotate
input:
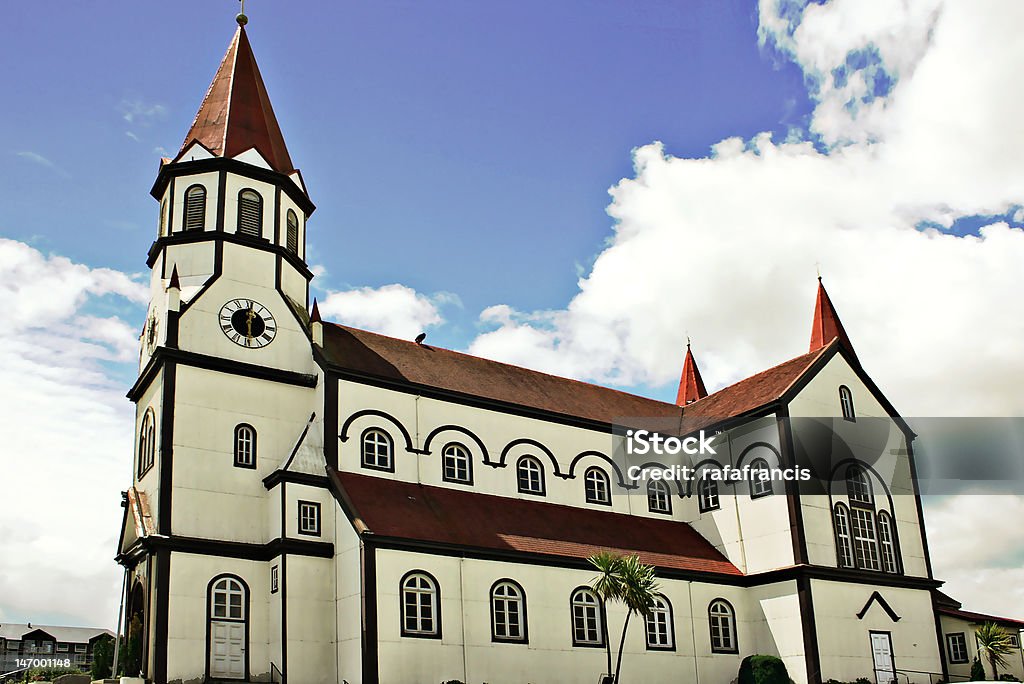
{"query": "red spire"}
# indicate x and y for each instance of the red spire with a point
(236, 114)
(315, 316)
(827, 326)
(691, 386)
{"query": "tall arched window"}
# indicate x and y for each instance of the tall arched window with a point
(660, 630)
(862, 518)
(597, 486)
(530, 475)
(421, 615)
(844, 541)
(659, 497)
(245, 446)
(457, 466)
(508, 612)
(889, 547)
(846, 403)
(227, 599)
(147, 442)
(378, 450)
(760, 479)
(250, 213)
(163, 217)
(587, 625)
(707, 493)
(291, 239)
(195, 208)
(722, 619)
(858, 486)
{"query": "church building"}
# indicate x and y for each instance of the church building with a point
(316, 503)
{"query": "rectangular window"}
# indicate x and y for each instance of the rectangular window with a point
(62, 647)
(273, 580)
(13, 645)
(309, 518)
(865, 543)
(1014, 641)
(80, 648)
(956, 647)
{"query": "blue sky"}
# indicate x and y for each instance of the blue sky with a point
(493, 173)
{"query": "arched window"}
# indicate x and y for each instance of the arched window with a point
(722, 619)
(597, 486)
(457, 464)
(195, 208)
(250, 213)
(846, 403)
(659, 497)
(858, 486)
(707, 493)
(844, 542)
(660, 630)
(378, 450)
(228, 600)
(163, 217)
(587, 626)
(245, 446)
(890, 550)
(147, 442)
(760, 478)
(291, 240)
(508, 612)
(421, 616)
(530, 475)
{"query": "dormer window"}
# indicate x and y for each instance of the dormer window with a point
(250, 213)
(195, 208)
(291, 242)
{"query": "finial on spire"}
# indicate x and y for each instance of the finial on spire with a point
(241, 18)
(817, 267)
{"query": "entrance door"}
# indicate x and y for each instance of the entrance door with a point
(881, 654)
(228, 628)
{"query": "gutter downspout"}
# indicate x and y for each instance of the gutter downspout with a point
(462, 600)
(120, 619)
(693, 633)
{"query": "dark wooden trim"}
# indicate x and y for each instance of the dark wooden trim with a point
(533, 443)
(241, 550)
(222, 189)
(938, 635)
(225, 165)
(284, 580)
(455, 428)
(920, 508)
(318, 518)
(344, 436)
(597, 454)
(219, 238)
(437, 633)
(163, 586)
(277, 215)
(234, 447)
(795, 507)
(173, 318)
(246, 621)
(368, 635)
(812, 655)
(331, 420)
(880, 600)
(170, 214)
(166, 455)
(523, 620)
(278, 476)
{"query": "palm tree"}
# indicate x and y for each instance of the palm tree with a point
(628, 580)
(994, 644)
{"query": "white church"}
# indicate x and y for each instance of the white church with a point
(314, 503)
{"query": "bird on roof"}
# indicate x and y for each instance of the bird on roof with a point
(419, 338)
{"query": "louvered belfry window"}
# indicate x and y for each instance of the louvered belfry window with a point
(292, 235)
(195, 208)
(250, 213)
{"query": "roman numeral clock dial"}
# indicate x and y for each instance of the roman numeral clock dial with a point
(247, 323)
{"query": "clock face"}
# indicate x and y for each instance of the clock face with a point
(247, 323)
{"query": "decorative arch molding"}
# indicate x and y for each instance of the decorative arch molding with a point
(706, 464)
(756, 445)
(344, 434)
(868, 468)
(662, 466)
(534, 443)
(597, 454)
(880, 600)
(455, 428)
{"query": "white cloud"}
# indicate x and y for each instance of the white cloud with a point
(40, 160)
(140, 112)
(394, 310)
(67, 429)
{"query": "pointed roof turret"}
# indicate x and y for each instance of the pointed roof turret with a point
(174, 284)
(314, 316)
(691, 386)
(826, 325)
(236, 115)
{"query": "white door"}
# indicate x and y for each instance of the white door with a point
(881, 652)
(227, 650)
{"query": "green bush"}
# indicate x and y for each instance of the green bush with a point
(763, 669)
(977, 670)
(47, 674)
(102, 657)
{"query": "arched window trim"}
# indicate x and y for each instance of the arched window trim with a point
(194, 215)
(858, 487)
(599, 616)
(445, 456)
(660, 501)
(250, 213)
(760, 488)
(670, 626)
(895, 566)
(520, 465)
(524, 625)
(844, 536)
(210, 617)
(708, 494)
(163, 218)
(291, 240)
(388, 441)
(597, 486)
(728, 629)
(241, 443)
(846, 404)
(147, 442)
(434, 592)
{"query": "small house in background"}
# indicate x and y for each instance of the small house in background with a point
(19, 642)
(961, 646)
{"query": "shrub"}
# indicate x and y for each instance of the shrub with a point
(1006, 677)
(102, 657)
(977, 670)
(47, 674)
(763, 669)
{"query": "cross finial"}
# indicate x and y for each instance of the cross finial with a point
(817, 264)
(241, 18)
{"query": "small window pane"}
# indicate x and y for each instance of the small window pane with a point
(597, 486)
(530, 475)
(377, 448)
(456, 464)
(659, 499)
(707, 494)
(419, 606)
(292, 233)
(250, 213)
(195, 208)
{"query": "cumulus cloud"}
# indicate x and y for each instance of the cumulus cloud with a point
(67, 428)
(394, 309)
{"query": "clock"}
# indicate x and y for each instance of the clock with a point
(248, 323)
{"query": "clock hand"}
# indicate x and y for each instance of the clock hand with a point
(248, 323)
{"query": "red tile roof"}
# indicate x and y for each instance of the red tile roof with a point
(981, 617)
(404, 510)
(236, 114)
(691, 385)
(826, 325)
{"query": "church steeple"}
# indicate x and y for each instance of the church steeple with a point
(691, 386)
(826, 325)
(236, 114)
